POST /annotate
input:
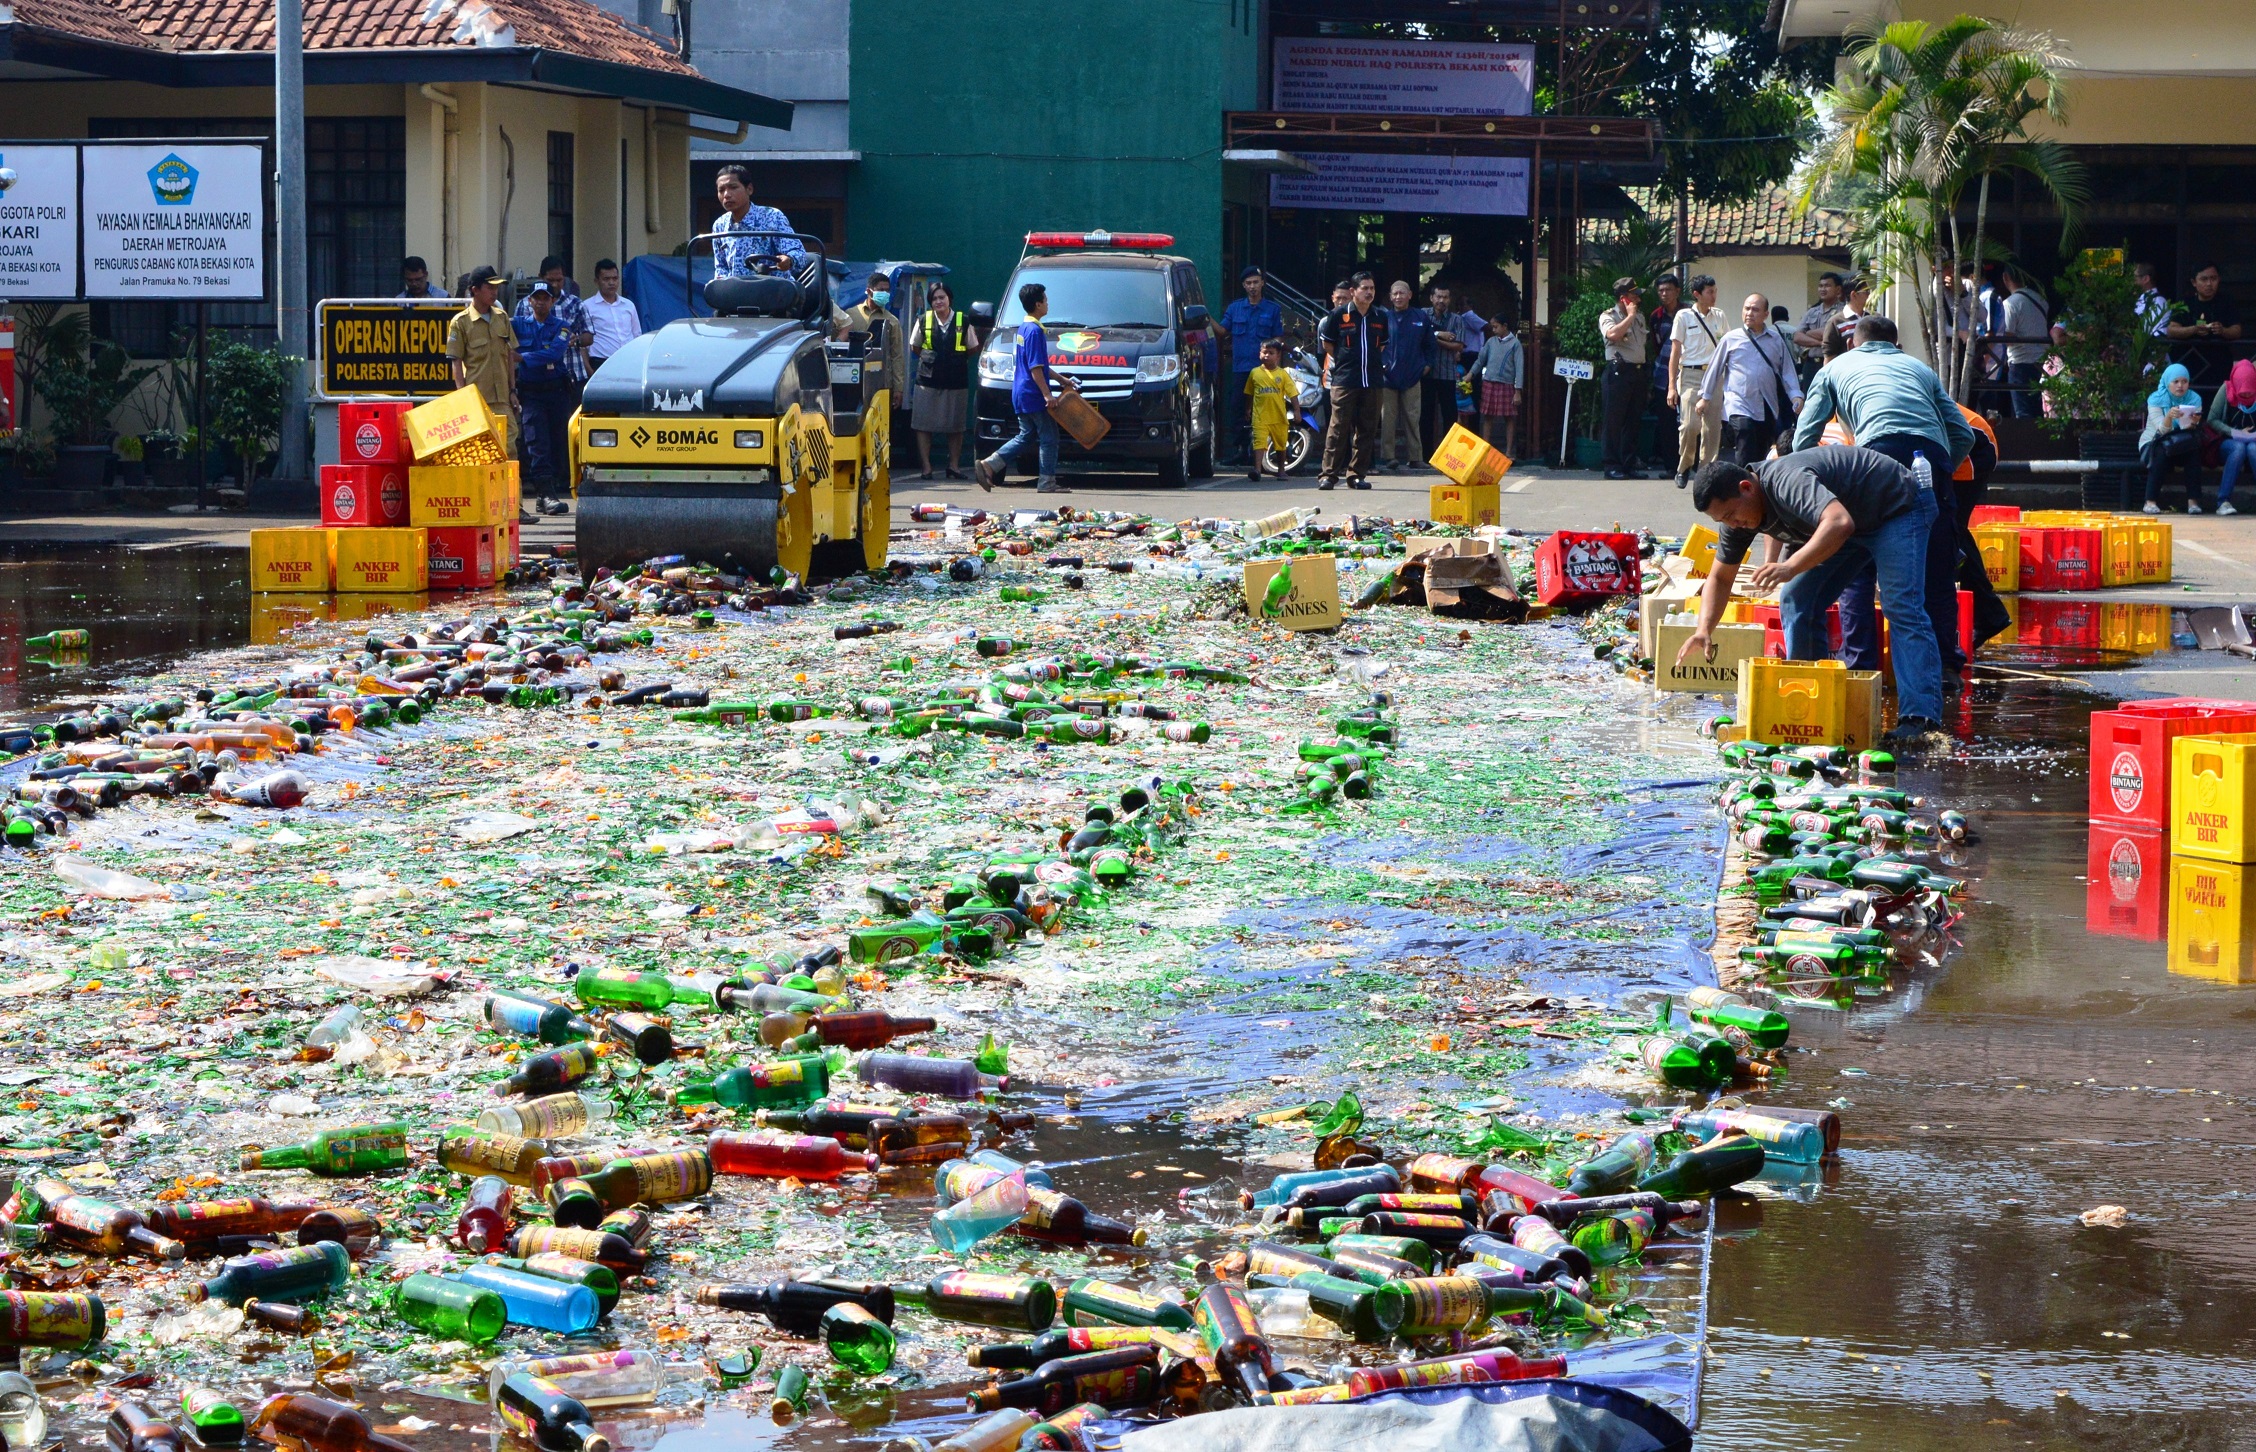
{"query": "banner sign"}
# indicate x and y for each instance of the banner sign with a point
(1403, 77)
(38, 222)
(1485, 186)
(175, 221)
(384, 346)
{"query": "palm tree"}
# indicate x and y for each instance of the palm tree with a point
(1921, 112)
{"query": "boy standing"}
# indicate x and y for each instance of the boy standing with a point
(1275, 398)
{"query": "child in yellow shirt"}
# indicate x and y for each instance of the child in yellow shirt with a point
(1275, 406)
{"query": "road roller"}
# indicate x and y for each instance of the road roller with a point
(746, 439)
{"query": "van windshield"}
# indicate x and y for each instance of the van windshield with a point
(1094, 297)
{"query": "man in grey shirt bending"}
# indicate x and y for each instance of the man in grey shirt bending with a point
(1835, 512)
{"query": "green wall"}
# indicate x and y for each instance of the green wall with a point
(987, 120)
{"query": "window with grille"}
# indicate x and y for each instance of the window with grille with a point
(560, 198)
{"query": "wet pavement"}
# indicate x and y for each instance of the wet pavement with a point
(1934, 1289)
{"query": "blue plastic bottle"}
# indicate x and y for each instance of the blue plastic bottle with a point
(535, 1300)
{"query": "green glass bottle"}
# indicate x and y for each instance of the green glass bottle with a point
(723, 713)
(1620, 1165)
(1811, 959)
(1073, 730)
(1714, 1166)
(1366, 1312)
(857, 1340)
(906, 938)
(651, 992)
(1716, 1006)
(1280, 586)
(1677, 1059)
(218, 1421)
(360, 1149)
(1089, 1301)
(782, 1084)
(784, 708)
(60, 640)
(1011, 1301)
(450, 1309)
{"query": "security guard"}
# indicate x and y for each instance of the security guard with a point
(482, 347)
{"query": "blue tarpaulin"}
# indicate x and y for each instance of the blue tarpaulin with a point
(657, 285)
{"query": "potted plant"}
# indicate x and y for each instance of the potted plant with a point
(131, 472)
(2107, 356)
(82, 381)
(166, 460)
(243, 399)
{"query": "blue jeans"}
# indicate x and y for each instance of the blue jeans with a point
(1860, 629)
(2239, 454)
(1036, 431)
(2028, 401)
(1897, 552)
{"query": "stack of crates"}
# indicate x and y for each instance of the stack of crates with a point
(2070, 549)
(373, 545)
(462, 490)
(2212, 807)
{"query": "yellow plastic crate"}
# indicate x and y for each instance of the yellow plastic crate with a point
(292, 560)
(1699, 547)
(2212, 927)
(2213, 797)
(1861, 719)
(458, 420)
(1471, 505)
(1794, 702)
(466, 495)
(2151, 549)
(380, 561)
(2139, 629)
(1467, 458)
(2001, 554)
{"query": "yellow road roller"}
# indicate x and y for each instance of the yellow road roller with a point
(745, 439)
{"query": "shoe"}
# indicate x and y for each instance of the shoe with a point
(1616, 474)
(984, 473)
(1051, 486)
(1682, 480)
(555, 506)
(927, 474)
(1253, 476)
(2192, 507)
(2225, 509)
(526, 516)
(1327, 483)
(951, 474)
(2152, 508)
(1913, 733)
(1359, 482)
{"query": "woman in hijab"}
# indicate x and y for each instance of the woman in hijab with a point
(2232, 418)
(2173, 436)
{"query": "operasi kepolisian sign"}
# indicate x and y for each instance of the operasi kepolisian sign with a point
(38, 222)
(175, 221)
(375, 346)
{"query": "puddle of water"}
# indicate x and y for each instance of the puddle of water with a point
(145, 608)
(1942, 1292)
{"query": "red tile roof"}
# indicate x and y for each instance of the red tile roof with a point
(572, 27)
(1764, 222)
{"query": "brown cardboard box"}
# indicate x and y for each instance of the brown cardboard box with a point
(1313, 603)
(1720, 677)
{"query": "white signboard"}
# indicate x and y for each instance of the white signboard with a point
(1403, 77)
(1576, 369)
(39, 222)
(178, 222)
(1486, 186)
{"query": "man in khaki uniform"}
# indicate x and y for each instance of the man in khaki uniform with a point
(864, 317)
(483, 347)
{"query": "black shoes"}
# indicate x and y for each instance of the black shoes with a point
(1913, 733)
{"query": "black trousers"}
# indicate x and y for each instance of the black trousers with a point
(2182, 449)
(1625, 387)
(1990, 614)
(547, 409)
(1747, 440)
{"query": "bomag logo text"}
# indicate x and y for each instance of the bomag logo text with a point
(685, 437)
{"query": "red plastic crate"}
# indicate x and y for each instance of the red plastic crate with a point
(2066, 626)
(463, 556)
(364, 494)
(2130, 754)
(1993, 514)
(2062, 557)
(2127, 876)
(1571, 568)
(370, 432)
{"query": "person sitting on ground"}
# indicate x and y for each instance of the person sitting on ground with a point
(2173, 436)
(1836, 511)
(2232, 418)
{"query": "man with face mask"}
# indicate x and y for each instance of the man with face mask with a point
(874, 316)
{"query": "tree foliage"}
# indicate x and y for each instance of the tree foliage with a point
(2109, 350)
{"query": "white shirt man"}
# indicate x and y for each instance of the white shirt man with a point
(1751, 386)
(1694, 335)
(611, 318)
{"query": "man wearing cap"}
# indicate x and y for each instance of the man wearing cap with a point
(482, 349)
(1624, 384)
(1246, 324)
(544, 382)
